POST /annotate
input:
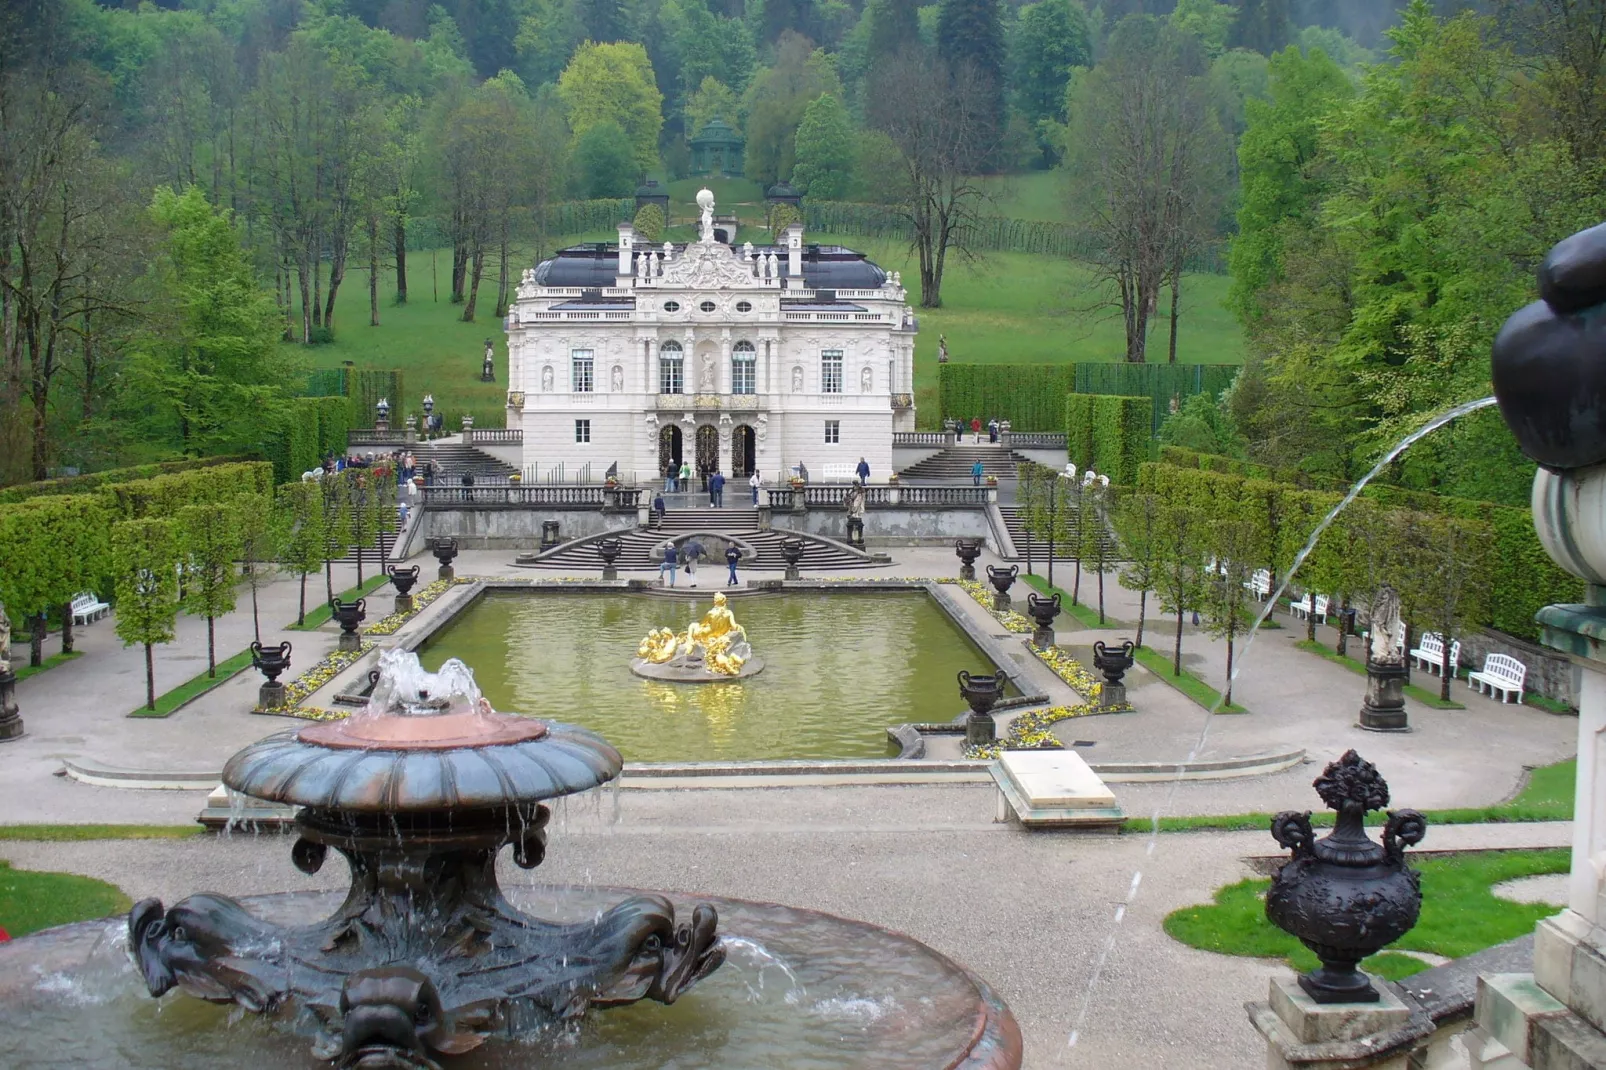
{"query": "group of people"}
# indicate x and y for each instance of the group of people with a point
(992, 427)
(677, 479)
(677, 556)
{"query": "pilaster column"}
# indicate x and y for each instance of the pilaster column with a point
(724, 376)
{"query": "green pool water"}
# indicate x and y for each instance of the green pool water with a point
(839, 669)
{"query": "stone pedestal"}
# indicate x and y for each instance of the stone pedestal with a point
(1043, 637)
(404, 603)
(350, 641)
(1112, 695)
(1001, 601)
(980, 729)
(967, 571)
(10, 720)
(270, 695)
(1383, 709)
(792, 572)
(1302, 1033)
(445, 573)
(610, 572)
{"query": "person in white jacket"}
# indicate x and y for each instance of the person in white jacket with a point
(753, 481)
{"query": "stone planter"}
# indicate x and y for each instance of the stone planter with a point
(982, 694)
(609, 550)
(549, 534)
(271, 662)
(1383, 709)
(1002, 579)
(967, 550)
(349, 615)
(403, 580)
(445, 550)
(1345, 896)
(1043, 611)
(1114, 665)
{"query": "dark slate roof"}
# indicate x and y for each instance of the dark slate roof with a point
(612, 304)
(825, 267)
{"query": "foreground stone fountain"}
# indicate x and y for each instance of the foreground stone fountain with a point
(425, 957)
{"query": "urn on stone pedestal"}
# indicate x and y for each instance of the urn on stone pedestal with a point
(403, 580)
(1346, 896)
(1043, 611)
(444, 550)
(1113, 664)
(348, 615)
(792, 553)
(1001, 579)
(982, 693)
(271, 662)
(549, 534)
(967, 550)
(609, 549)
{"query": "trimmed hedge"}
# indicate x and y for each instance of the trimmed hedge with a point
(54, 546)
(1030, 396)
(332, 419)
(1108, 433)
(164, 496)
(87, 483)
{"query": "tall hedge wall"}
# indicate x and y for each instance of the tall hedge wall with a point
(165, 495)
(331, 419)
(1109, 433)
(1030, 396)
(86, 484)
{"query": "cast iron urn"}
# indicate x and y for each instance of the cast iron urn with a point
(1001, 579)
(348, 615)
(1043, 610)
(967, 550)
(403, 578)
(982, 693)
(270, 661)
(792, 553)
(608, 550)
(444, 550)
(1113, 663)
(1345, 896)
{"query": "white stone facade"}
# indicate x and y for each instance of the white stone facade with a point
(728, 347)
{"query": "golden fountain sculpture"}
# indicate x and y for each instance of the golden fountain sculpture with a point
(716, 644)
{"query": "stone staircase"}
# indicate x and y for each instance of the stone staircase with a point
(738, 524)
(1016, 525)
(452, 459)
(955, 464)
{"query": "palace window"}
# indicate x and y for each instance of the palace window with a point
(831, 371)
(671, 306)
(581, 366)
(744, 306)
(582, 430)
(744, 369)
(671, 369)
(833, 432)
(707, 306)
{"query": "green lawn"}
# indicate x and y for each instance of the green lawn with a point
(1190, 685)
(73, 833)
(317, 615)
(1039, 195)
(1422, 695)
(32, 901)
(50, 662)
(1459, 914)
(195, 687)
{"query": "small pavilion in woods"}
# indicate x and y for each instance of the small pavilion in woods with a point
(717, 149)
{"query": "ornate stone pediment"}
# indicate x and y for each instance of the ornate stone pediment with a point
(708, 264)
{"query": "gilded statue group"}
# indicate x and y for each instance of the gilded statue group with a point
(716, 641)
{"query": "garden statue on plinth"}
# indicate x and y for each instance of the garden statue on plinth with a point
(488, 369)
(271, 662)
(792, 553)
(403, 579)
(1114, 665)
(1001, 579)
(1043, 611)
(967, 550)
(982, 694)
(609, 550)
(853, 503)
(444, 550)
(712, 649)
(10, 719)
(1383, 709)
(1345, 896)
(348, 615)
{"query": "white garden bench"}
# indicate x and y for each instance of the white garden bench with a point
(86, 608)
(833, 472)
(1431, 653)
(1502, 673)
(1311, 604)
(1259, 584)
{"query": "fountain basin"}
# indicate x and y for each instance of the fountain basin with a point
(858, 996)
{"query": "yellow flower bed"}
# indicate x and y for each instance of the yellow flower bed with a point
(1031, 730)
(391, 624)
(326, 669)
(1011, 620)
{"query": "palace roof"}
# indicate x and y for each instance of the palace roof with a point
(825, 267)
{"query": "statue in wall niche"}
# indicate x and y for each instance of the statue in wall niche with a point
(1386, 647)
(763, 430)
(618, 379)
(708, 375)
(866, 380)
(797, 378)
(546, 378)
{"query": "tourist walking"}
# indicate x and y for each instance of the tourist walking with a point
(691, 552)
(669, 562)
(732, 555)
(658, 511)
(716, 489)
(975, 428)
(684, 482)
(863, 471)
(753, 481)
(670, 472)
(992, 431)
(976, 471)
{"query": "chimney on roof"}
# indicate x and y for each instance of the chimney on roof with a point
(793, 236)
(627, 242)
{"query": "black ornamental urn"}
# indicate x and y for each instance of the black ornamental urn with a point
(444, 550)
(792, 553)
(271, 662)
(1113, 663)
(1001, 579)
(549, 534)
(348, 615)
(403, 580)
(1345, 896)
(967, 550)
(1043, 611)
(982, 693)
(609, 550)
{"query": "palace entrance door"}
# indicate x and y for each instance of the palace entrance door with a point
(669, 442)
(743, 449)
(707, 452)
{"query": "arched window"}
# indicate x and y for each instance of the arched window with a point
(671, 369)
(744, 369)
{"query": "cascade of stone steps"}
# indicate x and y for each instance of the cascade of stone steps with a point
(1015, 522)
(955, 463)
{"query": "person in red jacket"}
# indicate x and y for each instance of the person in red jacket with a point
(975, 428)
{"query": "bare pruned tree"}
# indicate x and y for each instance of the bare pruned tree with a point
(939, 136)
(1146, 158)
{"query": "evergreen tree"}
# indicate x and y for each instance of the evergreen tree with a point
(1261, 26)
(894, 25)
(606, 20)
(1050, 38)
(969, 33)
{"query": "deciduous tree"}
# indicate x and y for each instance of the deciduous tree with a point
(614, 83)
(209, 544)
(145, 556)
(825, 149)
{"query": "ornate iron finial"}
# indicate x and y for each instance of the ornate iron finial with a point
(1346, 896)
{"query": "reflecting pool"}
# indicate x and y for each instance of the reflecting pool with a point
(839, 669)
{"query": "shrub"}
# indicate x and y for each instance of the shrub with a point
(165, 495)
(1120, 436)
(650, 223)
(87, 483)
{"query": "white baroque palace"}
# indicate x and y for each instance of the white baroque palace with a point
(722, 357)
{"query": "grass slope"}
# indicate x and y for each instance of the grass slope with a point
(1460, 914)
(31, 901)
